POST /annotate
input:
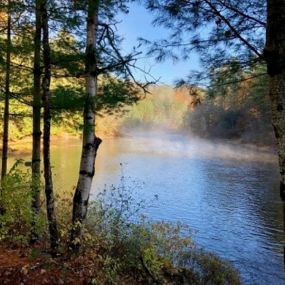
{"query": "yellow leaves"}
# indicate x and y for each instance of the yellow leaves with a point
(76, 241)
(3, 18)
(88, 237)
(25, 269)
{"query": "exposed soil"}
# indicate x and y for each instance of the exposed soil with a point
(18, 268)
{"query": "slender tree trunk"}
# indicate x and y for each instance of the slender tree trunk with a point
(7, 97)
(275, 57)
(90, 141)
(46, 144)
(36, 152)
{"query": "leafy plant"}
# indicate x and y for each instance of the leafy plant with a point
(16, 199)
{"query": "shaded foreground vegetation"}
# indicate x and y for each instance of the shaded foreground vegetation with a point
(120, 246)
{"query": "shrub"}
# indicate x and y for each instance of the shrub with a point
(16, 200)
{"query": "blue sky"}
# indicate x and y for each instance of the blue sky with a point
(138, 23)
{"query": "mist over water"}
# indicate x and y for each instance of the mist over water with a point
(176, 144)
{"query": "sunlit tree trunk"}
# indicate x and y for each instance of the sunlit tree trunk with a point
(90, 141)
(7, 96)
(36, 152)
(275, 57)
(50, 204)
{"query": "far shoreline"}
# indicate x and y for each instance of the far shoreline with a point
(23, 146)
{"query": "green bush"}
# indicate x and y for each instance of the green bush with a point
(16, 200)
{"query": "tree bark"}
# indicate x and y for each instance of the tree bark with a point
(275, 57)
(7, 96)
(90, 141)
(36, 152)
(50, 204)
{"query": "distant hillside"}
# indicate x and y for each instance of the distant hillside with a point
(165, 106)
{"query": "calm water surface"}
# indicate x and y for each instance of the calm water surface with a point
(227, 194)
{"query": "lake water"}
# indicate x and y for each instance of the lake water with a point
(227, 194)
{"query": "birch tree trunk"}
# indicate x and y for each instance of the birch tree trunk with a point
(90, 141)
(36, 152)
(275, 57)
(50, 204)
(7, 97)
